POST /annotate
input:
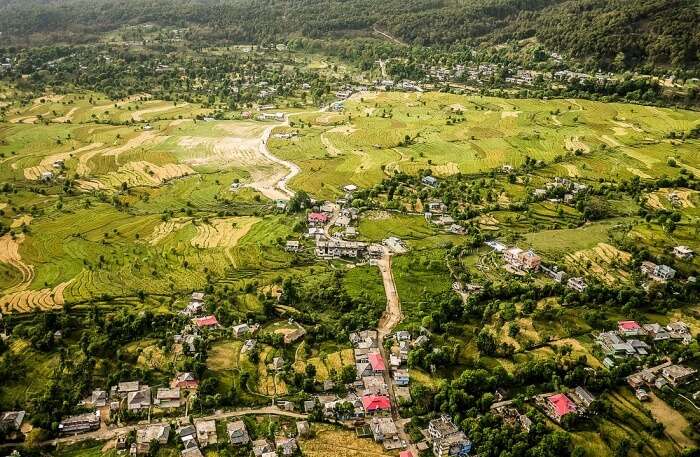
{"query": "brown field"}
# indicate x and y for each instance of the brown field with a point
(330, 442)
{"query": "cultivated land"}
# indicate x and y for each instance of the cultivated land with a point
(138, 216)
(458, 134)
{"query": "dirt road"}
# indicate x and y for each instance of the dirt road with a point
(276, 190)
(293, 168)
(392, 315)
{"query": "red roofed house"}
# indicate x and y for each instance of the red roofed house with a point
(206, 322)
(318, 218)
(185, 381)
(374, 403)
(629, 328)
(376, 361)
(559, 406)
(405, 454)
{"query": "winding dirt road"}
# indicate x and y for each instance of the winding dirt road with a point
(281, 185)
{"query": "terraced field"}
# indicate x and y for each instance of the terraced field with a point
(450, 133)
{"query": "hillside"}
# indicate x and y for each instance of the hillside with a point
(618, 34)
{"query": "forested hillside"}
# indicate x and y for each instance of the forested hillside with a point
(610, 34)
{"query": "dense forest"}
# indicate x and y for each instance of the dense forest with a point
(606, 34)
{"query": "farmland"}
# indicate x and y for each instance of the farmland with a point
(385, 132)
(127, 206)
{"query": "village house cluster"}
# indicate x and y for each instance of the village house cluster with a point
(629, 339)
(660, 376)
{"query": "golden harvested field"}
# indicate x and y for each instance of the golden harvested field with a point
(223, 232)
(331, 442)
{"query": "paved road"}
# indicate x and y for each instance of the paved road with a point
(108, 433)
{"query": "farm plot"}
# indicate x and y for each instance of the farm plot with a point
(327, 363)
(603, 261)
(224, 232)
(334, 442)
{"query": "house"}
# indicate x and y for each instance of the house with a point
(641, 394)
(457, 229)
(558, 406)
(664, 272)
(240, 330)
(364, 339)
(167, 398)
(197, 297)
(334, 248)
(350, 188)
(185, 381)
(139, 399)
(656, 331)
(680, 330)
(395, 245)
(125, 388)
(248, 346)
(81, 423)
(375, 403)
(377, 362)
(374, 385)
(582, 396)
(436, 207)
(578, 284)
(46, 176)
(188, 435)
(206, 432)
(429, 181)
(145, 436)
(342, 221)
(286, 446)
(421, 341)
(317, 218)
(683, 252)
(192, 309)
(402, 335)
(98, 398)
(629, 328)
(448, 440)
(327, 208)
(364, 369)
(401, 377)
(350, 232)
(657, 272)
(522, 260)
(384, 431)
(12, 420)
(678, 375)
(260, 447)
(277, 363)
(292, 246)
(445, 220)
(660, 383)
(191, 452)
(237, 433)
(303, 428)
(206, 322)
